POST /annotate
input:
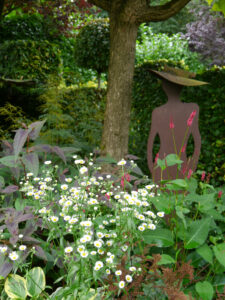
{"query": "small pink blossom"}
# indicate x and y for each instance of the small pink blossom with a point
(191, 117)
(156, 158)
(171, 123)
(203, 176)
(184, 170)
(183, 149)
(127, 177)
(107, 196)
(220, 194)
(190, 172)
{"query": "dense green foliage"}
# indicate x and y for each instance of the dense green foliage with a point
(25, 27)
(92, 46)
(151, 46)
(26, 59)
(147, 95)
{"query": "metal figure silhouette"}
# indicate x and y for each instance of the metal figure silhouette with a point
(169, 121)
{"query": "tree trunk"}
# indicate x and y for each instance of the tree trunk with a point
(123, 36)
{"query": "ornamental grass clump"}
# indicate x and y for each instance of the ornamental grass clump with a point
(89, 223)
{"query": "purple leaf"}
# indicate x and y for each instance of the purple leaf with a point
(31, 239)
(14, 238)
(19, 140)
(41, 148)
(9, 161)
(31, 161)
(24, 217)
(5, 269)
(59, 152)
(35, 129)
(10, 189)
(40, 252)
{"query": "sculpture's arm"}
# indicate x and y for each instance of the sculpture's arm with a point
(153, 132)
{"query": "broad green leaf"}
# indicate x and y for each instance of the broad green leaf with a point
(35, 281)
(160, 237)
(172, 159)
(181, 216)
(166, 259)
(161, 163)
(219, 251)
(177, 183)
(2, 182)
(9, 161)
(197, 233)
(205, 290)
(206, 253)
(163, 203)
(20, 204)
(15, 287)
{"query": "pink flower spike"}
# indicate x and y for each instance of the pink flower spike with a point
(183, 149)
(220, 194)
(107, 196)
(190, 172)
(156, 158)
(184, 170)
(122, 181)
(190, 119)
(171, 123)
(203, 176)
(127, 177)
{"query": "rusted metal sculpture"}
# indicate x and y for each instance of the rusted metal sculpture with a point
(174, 122)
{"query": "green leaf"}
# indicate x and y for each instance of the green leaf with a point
(15, 287)
(166, 259)
(180, 214)
(161, 163)
(35, 281)
(177, 183)
(206, 253)
(163, 203)
(219, 251)
(173, 159)
(20, 204)
(205, 290)
(197, 233)
(160, 237)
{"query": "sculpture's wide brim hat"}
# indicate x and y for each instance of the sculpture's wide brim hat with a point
(178, 76)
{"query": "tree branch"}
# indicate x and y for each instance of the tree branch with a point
(147, 13)
(104, 4)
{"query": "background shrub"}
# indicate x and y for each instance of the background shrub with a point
(26, 59)
(92, 46)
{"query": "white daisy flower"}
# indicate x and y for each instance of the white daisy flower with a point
(121, 284)
(22, 247)
(118, 272)
(68, 249)
(132, 269)
(64, 187)
(128, 278)
(54, 219)
(121, 162)
(47, 162)
(84, 254)
(151, 226)
(160, 214)
(13, 256)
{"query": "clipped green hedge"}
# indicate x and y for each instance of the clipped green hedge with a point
(26, 59)
(148, 94)
(86, 106)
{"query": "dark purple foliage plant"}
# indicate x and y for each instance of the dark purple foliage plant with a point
(207, 36)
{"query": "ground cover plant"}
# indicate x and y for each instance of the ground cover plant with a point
(70, 231)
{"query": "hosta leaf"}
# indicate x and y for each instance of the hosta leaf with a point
(15, 287)
(35, 281)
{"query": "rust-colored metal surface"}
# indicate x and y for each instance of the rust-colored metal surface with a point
(169, 121)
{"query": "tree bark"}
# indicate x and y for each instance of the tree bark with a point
(119, 94)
